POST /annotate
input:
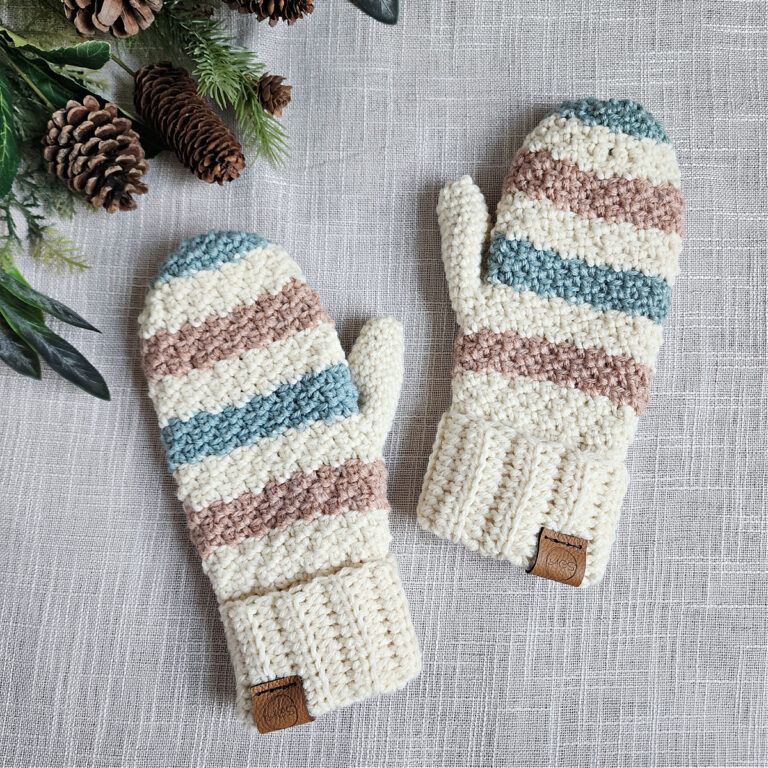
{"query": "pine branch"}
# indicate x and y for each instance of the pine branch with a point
(48, 246)
(36, 196)
(262, 133)
(44, 241)
(225, 72)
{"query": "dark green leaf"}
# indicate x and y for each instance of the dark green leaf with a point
(90, 54)
(33, 314)
(9, 147)
(15, 353)
(14, 40)
(385, 11)
(58, 353)
(93, 54)
(29, 295)
(56, 88)
(45, 26)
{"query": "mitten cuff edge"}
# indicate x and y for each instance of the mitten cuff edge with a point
(348, 636)
(493, 489)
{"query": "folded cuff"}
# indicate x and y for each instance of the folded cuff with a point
(348, 636)
(493, 490)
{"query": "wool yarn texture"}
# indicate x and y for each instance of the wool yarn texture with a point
(275, 442)
(560, 326)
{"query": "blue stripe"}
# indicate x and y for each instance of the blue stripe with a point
(207, 252)
(519, 264)
(325, 395)
(621, 116)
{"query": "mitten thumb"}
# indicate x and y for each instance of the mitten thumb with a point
(376, 366)
(464, 226)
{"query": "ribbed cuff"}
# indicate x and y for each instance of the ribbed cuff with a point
(348, 636)
(493, 490)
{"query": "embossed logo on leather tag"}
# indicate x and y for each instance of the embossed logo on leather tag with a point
(279, 704)
(561, 557)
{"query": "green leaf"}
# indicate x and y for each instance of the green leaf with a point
(34, 314)
(44, 25)
(90, 54)
(9, 147)
(93, 54)
(56, 88)
(385, 11)
(58, 353)
(29, 295)
(16, 354)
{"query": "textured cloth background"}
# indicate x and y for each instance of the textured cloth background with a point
(112, 652)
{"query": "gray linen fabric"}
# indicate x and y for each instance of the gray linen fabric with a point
(112, 653)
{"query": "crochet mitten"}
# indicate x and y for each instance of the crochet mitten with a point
(275, 443)
(558, 338)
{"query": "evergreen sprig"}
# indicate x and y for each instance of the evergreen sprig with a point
(225, 72)
(35, 195)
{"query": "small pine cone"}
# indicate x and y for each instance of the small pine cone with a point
(123, 18)
(168, 100)
(273, 95)
(96, 153)
(274, 10)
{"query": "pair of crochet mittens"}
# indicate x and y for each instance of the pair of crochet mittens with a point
(275, 441)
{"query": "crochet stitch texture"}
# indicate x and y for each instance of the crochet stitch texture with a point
(558, 339)
(275, 442)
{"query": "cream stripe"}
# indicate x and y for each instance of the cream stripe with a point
(317, 548)
(251, 467)
(620, 245)
(600, 150)
(255, 372)
(546, 411)
(502, 308)
(216, 292)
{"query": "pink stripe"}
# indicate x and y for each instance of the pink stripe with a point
(355, 485)
(614, 199)
(253, 326)
(621, 379)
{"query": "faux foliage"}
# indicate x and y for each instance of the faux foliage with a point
(44, 64)
(24, 335)
(226, 73)
(33, 81)
(385, 11)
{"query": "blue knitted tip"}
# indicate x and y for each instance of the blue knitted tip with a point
(620, 115)
(207, 252)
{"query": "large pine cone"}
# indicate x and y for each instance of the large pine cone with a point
(274, 10)
(168, 100)
(122, 18)
(96, 153)
(273, 95)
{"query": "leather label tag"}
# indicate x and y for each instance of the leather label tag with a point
(561, 557)
(279, 704)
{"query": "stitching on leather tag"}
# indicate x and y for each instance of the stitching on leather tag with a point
(561, 557)
(279, 704)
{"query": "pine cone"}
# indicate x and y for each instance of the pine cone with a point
(122, 18)
(274, 10)
(95, 152)
(273, 95)
(168, 100)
